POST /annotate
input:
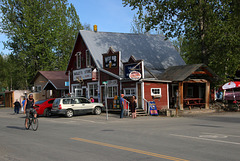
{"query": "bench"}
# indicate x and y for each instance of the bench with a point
(193, 102)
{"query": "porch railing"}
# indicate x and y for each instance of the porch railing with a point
(126, 106)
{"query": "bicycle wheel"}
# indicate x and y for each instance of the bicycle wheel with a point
(28, 123)
(34, 124)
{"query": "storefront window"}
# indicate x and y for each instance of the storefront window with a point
(93, 90)
(129, 91)
(112, 91)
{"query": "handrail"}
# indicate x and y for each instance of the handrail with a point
(128, 106)
(147, 107)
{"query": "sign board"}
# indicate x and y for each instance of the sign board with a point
(82, 74)
(128, 68)
(112, 82)
(110, 61)
(153, 108)
(135, 75)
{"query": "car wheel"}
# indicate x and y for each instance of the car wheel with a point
(69, 113)
(97, 111)
(47, 112)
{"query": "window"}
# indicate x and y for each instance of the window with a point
(129, 91)
(93, 90)
(78, 55)
(67, 101)
(155, 91)
(78, 92)
(83, 100)
(38, 88)
(88, 58)
(50, 102)
(112, 91)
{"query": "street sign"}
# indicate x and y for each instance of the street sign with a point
(104, 82)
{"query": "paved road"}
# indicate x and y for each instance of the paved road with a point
(92, 138)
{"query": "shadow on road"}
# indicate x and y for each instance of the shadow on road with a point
(16, 127)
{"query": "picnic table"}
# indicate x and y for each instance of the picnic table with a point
(190, 102)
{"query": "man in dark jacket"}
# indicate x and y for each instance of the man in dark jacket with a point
(17, 105)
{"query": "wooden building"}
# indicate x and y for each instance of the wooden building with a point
(104, 59)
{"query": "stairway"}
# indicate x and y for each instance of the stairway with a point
(140, 112)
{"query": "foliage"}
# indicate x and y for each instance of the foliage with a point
(209, 29)
(41, 35)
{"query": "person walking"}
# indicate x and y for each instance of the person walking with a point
(17, 105)
(133, 105)
(121, 105)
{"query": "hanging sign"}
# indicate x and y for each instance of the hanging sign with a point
(82, 74)
(135, 75)
(153, 108)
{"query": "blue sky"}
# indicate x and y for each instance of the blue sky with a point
(108, 15)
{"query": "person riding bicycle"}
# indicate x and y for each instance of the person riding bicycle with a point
(28, 108)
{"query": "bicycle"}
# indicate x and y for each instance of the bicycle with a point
(32, 121)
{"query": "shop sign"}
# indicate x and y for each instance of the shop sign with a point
(135, 75)
(153, 108)
(82, 74)
(129, 68)
(112, 82)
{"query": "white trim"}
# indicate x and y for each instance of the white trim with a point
(69, 79)
(143, 70)
(110, 73)
(124, 91)
(99, 88)
(168, 95)
(88, 64)
(120, 66)
(112, 91)
(153, 94)
(142, 90)
(77, 55)
(137, 94)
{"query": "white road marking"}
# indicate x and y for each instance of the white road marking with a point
(222, 134)
(199, 138)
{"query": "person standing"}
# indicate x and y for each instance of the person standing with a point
(28, 107)
(23, 103)
(17, 105)
(133, 105)
(121, 105)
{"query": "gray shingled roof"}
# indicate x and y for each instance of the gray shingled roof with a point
(180, 73)
(157, 53)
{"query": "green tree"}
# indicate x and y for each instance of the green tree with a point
(41, 35)
(209, 28)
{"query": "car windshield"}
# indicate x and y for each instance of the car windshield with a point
(40, 102)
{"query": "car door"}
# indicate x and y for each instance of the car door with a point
(86, 105)
(67, 104)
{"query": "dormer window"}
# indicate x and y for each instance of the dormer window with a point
(78, 56)
(88, 59)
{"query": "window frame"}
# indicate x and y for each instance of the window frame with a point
(37, 87)
(131, 94)
(88, 58)
(112, 91)
(79, 62)
(154, 94)
(93, 84)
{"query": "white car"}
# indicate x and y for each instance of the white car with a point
(74, 106)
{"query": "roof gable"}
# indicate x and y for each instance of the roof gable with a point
(51, 75)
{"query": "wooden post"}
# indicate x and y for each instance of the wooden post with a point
(207, 95)
(180, 89)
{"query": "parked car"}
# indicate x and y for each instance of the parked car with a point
(74, 106)
(44, 107)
